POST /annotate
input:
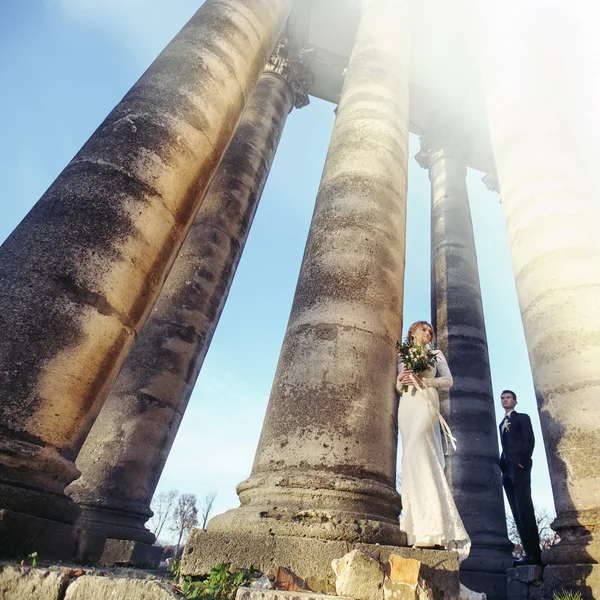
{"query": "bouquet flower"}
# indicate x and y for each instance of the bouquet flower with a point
(415, 357)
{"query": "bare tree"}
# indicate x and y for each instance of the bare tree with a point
(206, 507)
(548, 537)
(185, 517)
(162, 505)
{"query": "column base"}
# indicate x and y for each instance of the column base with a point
(579, 533)
(488, 558)
(315, 504)
(33, 480)
(125, 523)
(314, 523)
(485, 569)
(22, 534)
(130, 554)
(308, 558)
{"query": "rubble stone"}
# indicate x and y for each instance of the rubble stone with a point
(359, 575)
(403, 580)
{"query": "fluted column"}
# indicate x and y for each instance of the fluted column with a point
(81, 272)
(123, 456)
(457, 312)
(326, 461)
(550, 201)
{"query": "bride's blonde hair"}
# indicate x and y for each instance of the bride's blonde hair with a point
(411, 330)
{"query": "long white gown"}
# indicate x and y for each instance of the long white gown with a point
(429, 516)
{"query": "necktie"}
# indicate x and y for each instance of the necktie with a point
(505, 422)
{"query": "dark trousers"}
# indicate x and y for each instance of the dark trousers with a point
(517, 485)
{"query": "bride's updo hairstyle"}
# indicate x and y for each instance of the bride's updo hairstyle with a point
(411, 330)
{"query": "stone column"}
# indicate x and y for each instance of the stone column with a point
(553, 222)
(81, 272)
(326, 462)
(457, 314)
(123, 456)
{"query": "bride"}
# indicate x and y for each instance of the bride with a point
(429, 515)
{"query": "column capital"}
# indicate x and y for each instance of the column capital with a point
(434, 147)
(289, 63)
(427, 155)
(491, 181)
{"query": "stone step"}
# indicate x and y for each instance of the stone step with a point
(249, 593)
(59, 583)
(308, 558)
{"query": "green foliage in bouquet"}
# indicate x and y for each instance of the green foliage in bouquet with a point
(416, 358)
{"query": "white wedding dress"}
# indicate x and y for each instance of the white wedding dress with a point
(429, 516)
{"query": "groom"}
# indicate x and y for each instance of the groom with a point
(515, 463)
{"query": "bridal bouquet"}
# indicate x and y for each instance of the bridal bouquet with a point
(415, 357)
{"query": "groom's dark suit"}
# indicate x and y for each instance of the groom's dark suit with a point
(515, 464)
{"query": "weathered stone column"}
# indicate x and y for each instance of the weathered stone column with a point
(457, 314)
(123, 456)
(326, 462)
(553, 223)
(81, 272)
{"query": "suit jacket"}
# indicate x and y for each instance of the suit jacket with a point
(517, 442)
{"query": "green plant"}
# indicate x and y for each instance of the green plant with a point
(33, 556)
(221, 583)
(175, 568)
(566, 595)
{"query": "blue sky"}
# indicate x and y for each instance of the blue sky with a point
(65, 64)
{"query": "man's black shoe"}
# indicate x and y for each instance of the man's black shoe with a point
(527, 560)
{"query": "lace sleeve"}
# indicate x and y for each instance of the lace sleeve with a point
(443, 377)
(399, 368)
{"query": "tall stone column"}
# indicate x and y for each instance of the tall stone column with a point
(123, 456)
(553, 222)
(326, 461)
(457, 314)
(79, 275)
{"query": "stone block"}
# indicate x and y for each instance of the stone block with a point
(90, 546)
(308, 558)
(582, 578)
(517, 590)
(21, 583)
(359, 576)
(90, 587)
(22, 534)
(245, 593)
(439, 568)
(525, 574)
(129, 553)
